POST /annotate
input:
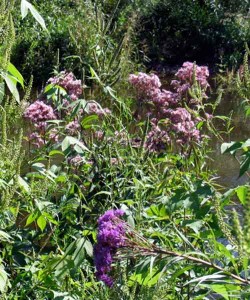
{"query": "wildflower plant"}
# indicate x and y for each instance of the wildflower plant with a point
(174, 115)
(118, 241)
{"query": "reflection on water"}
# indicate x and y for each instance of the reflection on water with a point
(225, 165)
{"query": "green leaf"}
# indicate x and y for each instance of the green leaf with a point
(70, 140)
(62, 296)
(11, 84)
(14, 72)
(56, 152)
(32, 217)
(2, 91)
(196, 226)
(89, 120)
(230, 147)
(244, 166)
(41, 222)
(212, 277)
(23, 184)
(241, 192)
(79, 253)
(4, 236)
(95, 76)
(3, 279)
(220, 289)
(89, 248)
(63, 267)
(246, 144)
(25, 6)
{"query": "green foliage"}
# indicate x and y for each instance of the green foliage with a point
(79, 35)
(190, 245)
(7, 33)
(11, 158)
(204, 31)
(241, 87)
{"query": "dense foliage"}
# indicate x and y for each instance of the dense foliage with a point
(105, 187)
(78, 31)
(204, 31)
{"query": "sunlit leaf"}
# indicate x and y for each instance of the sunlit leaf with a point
(14, 72)
(3, 279)
(41, 222)
(27, 6)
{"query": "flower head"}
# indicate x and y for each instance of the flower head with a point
(68, 81)
(111, 236)
(39, 112)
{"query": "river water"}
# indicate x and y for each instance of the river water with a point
(225, 165)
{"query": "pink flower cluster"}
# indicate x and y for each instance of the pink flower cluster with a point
(94, 108)
(36, 139)
(190, 71)
(68, 81)
(159, 104)
(39, 112)
(144, 83)
(157, 139)
(72, 128)
(184, 126)
(76, 160)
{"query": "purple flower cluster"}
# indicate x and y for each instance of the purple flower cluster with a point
(111, 236)
(159, 104)
(36, 139)
(184, 126)
(68, 81)
(188, 72)
(94, 108)
(73, 127)
(52, 107)
(76, 161)
(145, 84)
(39, 112)
(157, 139)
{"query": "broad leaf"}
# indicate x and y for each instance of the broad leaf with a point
(27, 6)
